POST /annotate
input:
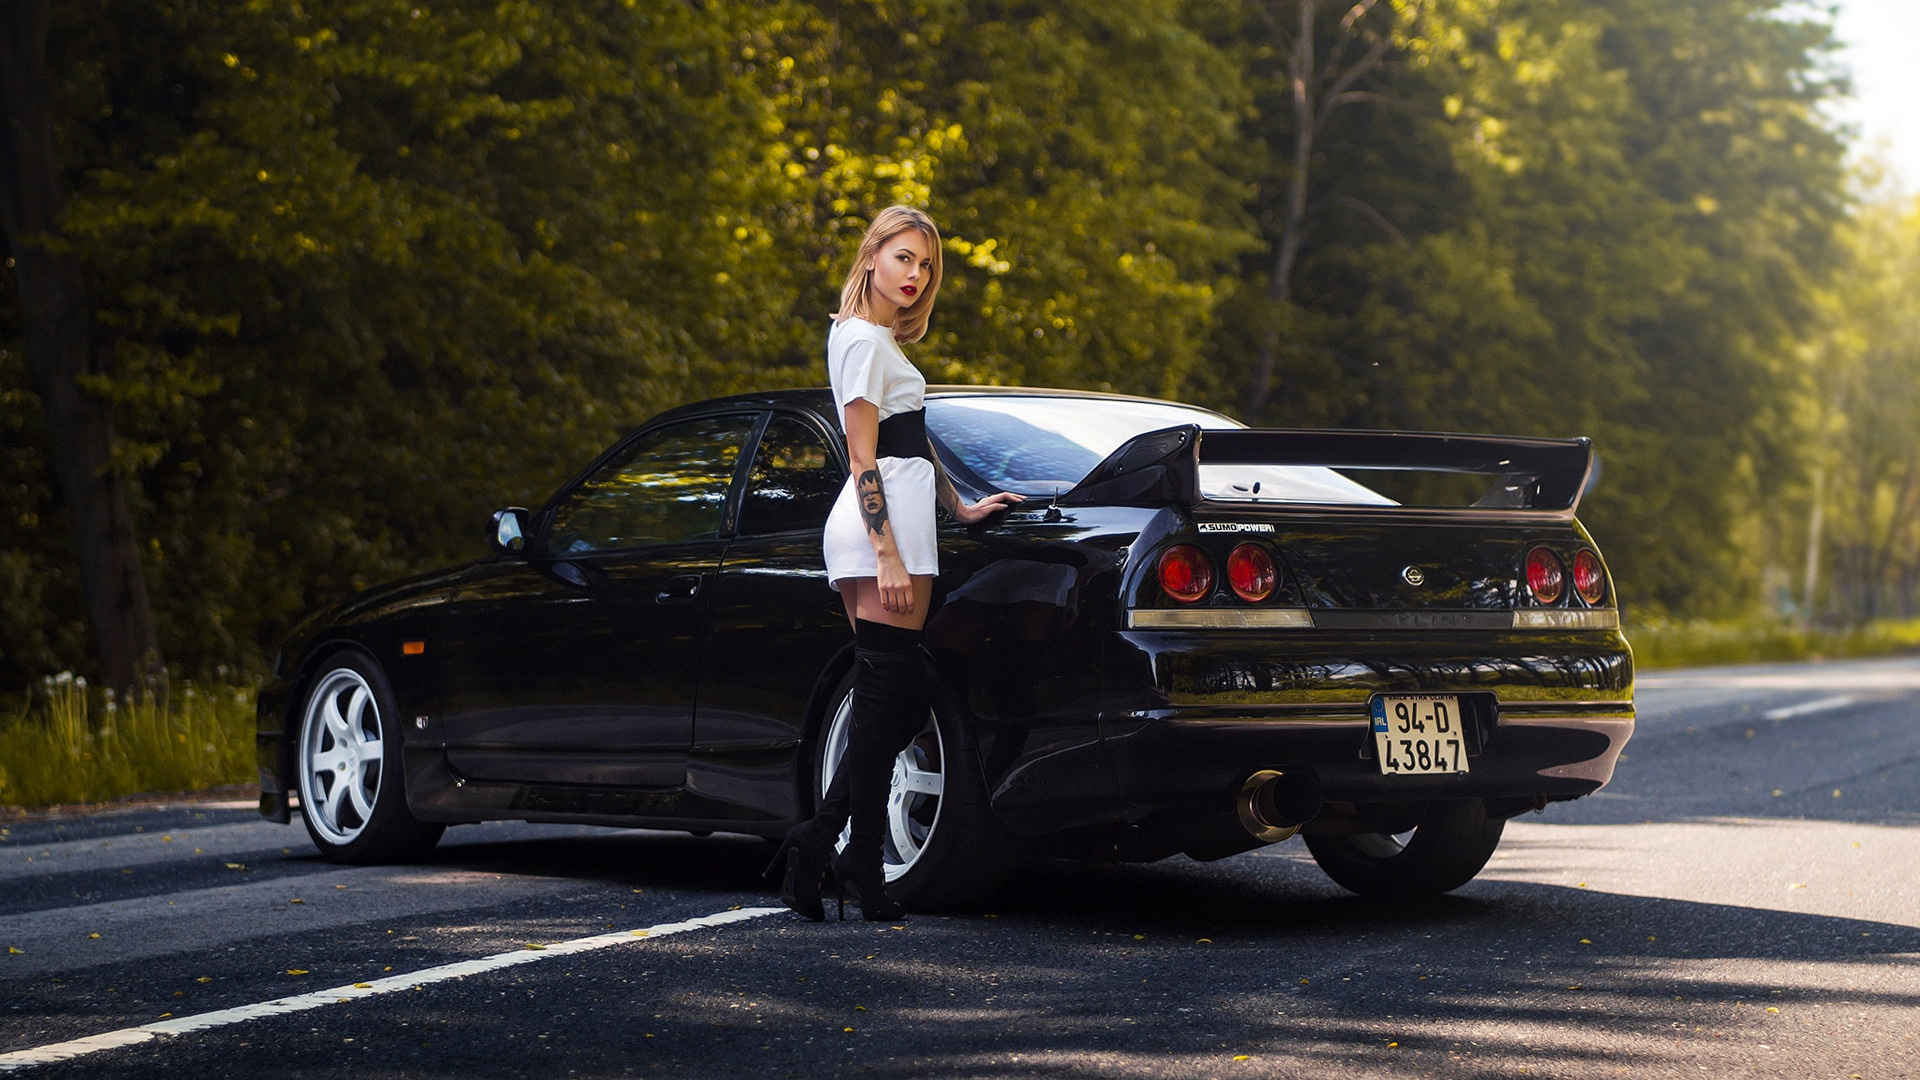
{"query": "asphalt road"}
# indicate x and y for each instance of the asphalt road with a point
(1744, 900)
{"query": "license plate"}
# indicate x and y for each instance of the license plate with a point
(1418, 734)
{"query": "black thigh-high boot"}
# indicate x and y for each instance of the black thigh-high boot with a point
(889, 709)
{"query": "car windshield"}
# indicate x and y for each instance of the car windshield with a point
(1043, 446)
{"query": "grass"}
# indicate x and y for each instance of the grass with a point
(1664, 643)
(67, 744)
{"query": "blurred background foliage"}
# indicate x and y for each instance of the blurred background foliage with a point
(365, 270)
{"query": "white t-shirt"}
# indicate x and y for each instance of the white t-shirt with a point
(864, 362)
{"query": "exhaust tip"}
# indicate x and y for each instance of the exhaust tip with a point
(1274, 804)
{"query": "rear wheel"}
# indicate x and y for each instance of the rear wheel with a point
(1439, 855)
(352, 791)
(943, 848)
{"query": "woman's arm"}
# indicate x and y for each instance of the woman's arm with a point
(966, 512)
(861, 420)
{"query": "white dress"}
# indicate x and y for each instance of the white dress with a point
(864, 362)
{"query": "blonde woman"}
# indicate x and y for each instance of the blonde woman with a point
(881, 553)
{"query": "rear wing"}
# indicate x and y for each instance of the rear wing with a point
(1545, 476)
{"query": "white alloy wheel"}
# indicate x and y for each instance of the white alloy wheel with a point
(915, 798)
(342, 756)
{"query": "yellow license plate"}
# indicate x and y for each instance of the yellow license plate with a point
(1419, 734)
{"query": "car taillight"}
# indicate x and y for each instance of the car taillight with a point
(1185, 573)
(1589, 580)
(1545, 577)
(1250, 572)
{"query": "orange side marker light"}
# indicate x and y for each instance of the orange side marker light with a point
(413, 648)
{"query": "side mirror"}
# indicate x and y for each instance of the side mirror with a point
(509, 530)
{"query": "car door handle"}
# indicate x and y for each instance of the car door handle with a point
(678, 590)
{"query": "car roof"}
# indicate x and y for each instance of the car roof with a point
(819, 399)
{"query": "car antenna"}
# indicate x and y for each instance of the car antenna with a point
(1053, 507)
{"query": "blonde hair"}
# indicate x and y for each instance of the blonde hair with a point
(910, 324)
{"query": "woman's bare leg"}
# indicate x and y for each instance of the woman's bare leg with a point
(862, 599)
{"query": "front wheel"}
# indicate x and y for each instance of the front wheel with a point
(352, 795)
(943, 847)
(1439, 855)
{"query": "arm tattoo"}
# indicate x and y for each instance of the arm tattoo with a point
(873, 502)
(943, 487)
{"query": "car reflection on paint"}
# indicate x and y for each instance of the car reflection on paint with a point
(1193, 637)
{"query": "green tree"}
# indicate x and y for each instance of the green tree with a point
(1867, 370)
(1602, 217)
(65, 362)
(1079, 157)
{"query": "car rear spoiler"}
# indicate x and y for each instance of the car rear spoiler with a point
(1162, 467)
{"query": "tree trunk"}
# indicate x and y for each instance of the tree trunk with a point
(57, 321)
(1301, 74)
(1810, 591)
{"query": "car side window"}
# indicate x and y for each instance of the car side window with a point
(794, 482)
(668, 485)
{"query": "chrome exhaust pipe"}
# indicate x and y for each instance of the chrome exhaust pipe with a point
(1274, 804)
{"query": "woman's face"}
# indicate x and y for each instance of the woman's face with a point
(901, 269)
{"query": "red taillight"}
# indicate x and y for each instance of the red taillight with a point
(1250, 572)
(1545, 576)
(1589, 580)
(1185, 573)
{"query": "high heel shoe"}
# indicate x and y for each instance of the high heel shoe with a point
(803, 859)
(869, 891)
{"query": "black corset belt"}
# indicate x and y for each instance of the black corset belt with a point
(904, 435)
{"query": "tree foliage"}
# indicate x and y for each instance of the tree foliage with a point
(1867, 379)
(368, 269)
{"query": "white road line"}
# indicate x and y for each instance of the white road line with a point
(44, 1055)
(1790, 711)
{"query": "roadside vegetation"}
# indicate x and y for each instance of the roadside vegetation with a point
(1670, 643)
(66, 742)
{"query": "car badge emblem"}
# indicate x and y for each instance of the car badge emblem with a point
(1413, 576)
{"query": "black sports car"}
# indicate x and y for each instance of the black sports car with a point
(1193, 637)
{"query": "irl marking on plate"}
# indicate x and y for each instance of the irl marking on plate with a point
(63, 1051)
(1235, 526)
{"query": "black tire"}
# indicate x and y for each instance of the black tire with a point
(944, 849)
(353, 796)
(1442, 853)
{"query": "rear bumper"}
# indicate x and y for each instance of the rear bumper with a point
(1181, 759)
(1207, 710)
